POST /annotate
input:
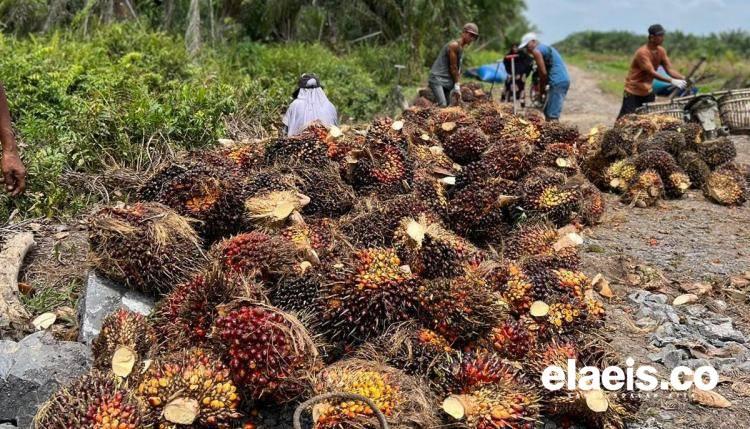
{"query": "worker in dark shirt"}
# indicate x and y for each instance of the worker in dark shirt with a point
(523, 66)
(445, 73)
(14, 173)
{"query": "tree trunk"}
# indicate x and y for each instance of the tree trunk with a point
(12, 312)
(193, 32)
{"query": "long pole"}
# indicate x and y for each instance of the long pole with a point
(513, 81)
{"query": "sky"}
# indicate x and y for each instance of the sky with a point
(555, 19)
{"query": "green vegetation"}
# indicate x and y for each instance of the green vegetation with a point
(609, 54)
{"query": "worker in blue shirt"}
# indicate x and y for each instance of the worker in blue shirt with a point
(552, 70)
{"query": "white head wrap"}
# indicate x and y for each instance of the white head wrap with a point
(311, 105)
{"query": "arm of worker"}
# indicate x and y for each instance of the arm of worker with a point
(644, 63)
(14, 173)
(667, 64)
(542, 68)
(453, 49)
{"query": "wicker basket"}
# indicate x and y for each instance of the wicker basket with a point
(734, 108)
(674, 108)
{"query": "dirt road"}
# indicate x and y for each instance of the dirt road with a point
(586, 105)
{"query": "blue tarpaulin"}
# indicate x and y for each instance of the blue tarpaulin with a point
(494, 72)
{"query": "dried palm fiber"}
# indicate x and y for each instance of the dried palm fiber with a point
(619, 174)
(519, 129)
(504, 160)
(365, 294)
(675, 180)
(592, 204)
(189, 389)
(479, 211)
(696, 169)
(270, 352)
(329, 195)
(717, 152)
(461, 309)
(90, 401)
(594, 408)
(433, 192)
(382, 164)
(515, 337)
(308, 147)
(183, 319)
(557, 132)
(415, 350)
(256, 255)
(400, 397)
(530, 238)
(726, 186)
(616, 144)
(466, 144)
(645, 189)
(373, 220)
(561, 157)
(430, 250)
(146, 246)
(125, 341)
(544, 193)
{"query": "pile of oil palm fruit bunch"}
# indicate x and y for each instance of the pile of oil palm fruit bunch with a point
(647, 158)
(427, 263)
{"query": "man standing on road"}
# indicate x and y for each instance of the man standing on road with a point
(552, 70)
(14, 173)
(647, 59)
(445, 73)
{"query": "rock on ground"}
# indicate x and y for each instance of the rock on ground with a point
(103, 297)
(32, 369)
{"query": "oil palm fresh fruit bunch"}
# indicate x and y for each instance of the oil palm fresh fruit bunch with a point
(645, 189)
(717, 152)
(185, 316)
(125, 341)
(306, 147)
(189, 389)
(515, 337)
(545, 194)
(374, 220)
(479, 210)
(556, 132)
(298, 294)
(591, 204)
(93, 401)
(146, 246)
(430, 250)
(617, 144)
(561, 157)
(696, 169)
(268, 351)
(502, 160)
(398, 396)
(365, 294)
(256, 254)
(531, 238)
(466, 144)
(619, 174)
(433, 192)
(676, 181)
(726, 186)
(329, 195)
(519, 129)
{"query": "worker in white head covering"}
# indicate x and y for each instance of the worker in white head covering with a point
(310, 104)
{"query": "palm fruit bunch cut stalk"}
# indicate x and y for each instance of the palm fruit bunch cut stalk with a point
(462, 309)
(185, 316)
(416, 350)
(191, 389)
(479, 211)
(561, 157)
(365, 294)
(592, 204)
(329, 195)
(126, 340)
(146, 246)
(306, 147)
(269, 352)
(211, 194)
(696, 169)
(717, 152)
(545, 194)
(726, 186)
(93, 401)
(400, 397)
(556, 132)
(433, 192)
(519, 129)
(616, 145)
(257, 255)
(374, 220)
(676, 181)
(503, 160)
(430, 250)
(515, 337)
(466, 144)
(645, 189)
(593, 407)
(619, 174)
